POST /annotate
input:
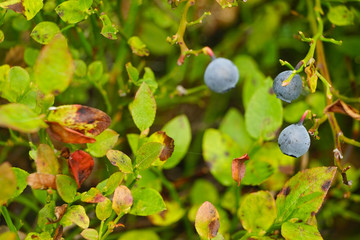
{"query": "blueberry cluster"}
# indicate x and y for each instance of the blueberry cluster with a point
(221, 75)
(294, 140)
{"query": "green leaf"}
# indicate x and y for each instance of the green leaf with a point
(272, 162)
(174, 212)
(71, 11)
(264, 114)
(132, 72)
(138, 47)
(299, 231)
(122, 200)
(54, 67)
(256, 172)
(257, 212)
(31, 7)
(108, 186)
(121, 160)
(108, 29)
(8, 183)
(20, 118)
(317, 103)
(149, 79)
(218, 151)
(46, 213)
(66, 187)
(21, 24)
(104, 142)
(133, 140)
(253, 77)
(39, 236)
(80, 68)
(76, 214)
(139, 234)
(95, 71)
(90, 234)
(340, 15)
(44, 32)
(13, 82)
(147, 154)
(147, 201)
(21, 182)
(233, 125)
(46, 160)
(202, 191)
(143, 108)
(103, 209)
(178, 129)
(294, 111)
(149, 179)
(303, 195)
(85, 4)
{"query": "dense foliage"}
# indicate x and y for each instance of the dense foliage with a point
(160, 119)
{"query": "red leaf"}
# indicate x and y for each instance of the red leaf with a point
(81, 165)
(67, 135)
(238, 168)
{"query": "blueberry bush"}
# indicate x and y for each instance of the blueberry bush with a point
(179, 119)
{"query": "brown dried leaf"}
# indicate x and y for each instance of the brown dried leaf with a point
(41, 181)
(341, 107)
(167, 143)
(67, 135)
(238, 168)
(60, 211)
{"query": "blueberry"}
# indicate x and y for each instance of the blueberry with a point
(294, 140)
(291, 91)
(221, 75)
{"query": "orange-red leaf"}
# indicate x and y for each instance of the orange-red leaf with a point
(67, 135)
(238, 168)
(81, 165)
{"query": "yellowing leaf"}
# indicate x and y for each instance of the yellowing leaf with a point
(54, 68)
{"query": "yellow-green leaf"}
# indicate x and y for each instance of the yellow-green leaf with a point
(54, 67)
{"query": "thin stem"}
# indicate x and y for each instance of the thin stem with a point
(111, 230)
(106, 98)
(349, 140)
(86, 45)
(9, 222)
(200, 19)
(101, 229)
(67, 27)
(173, 193)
